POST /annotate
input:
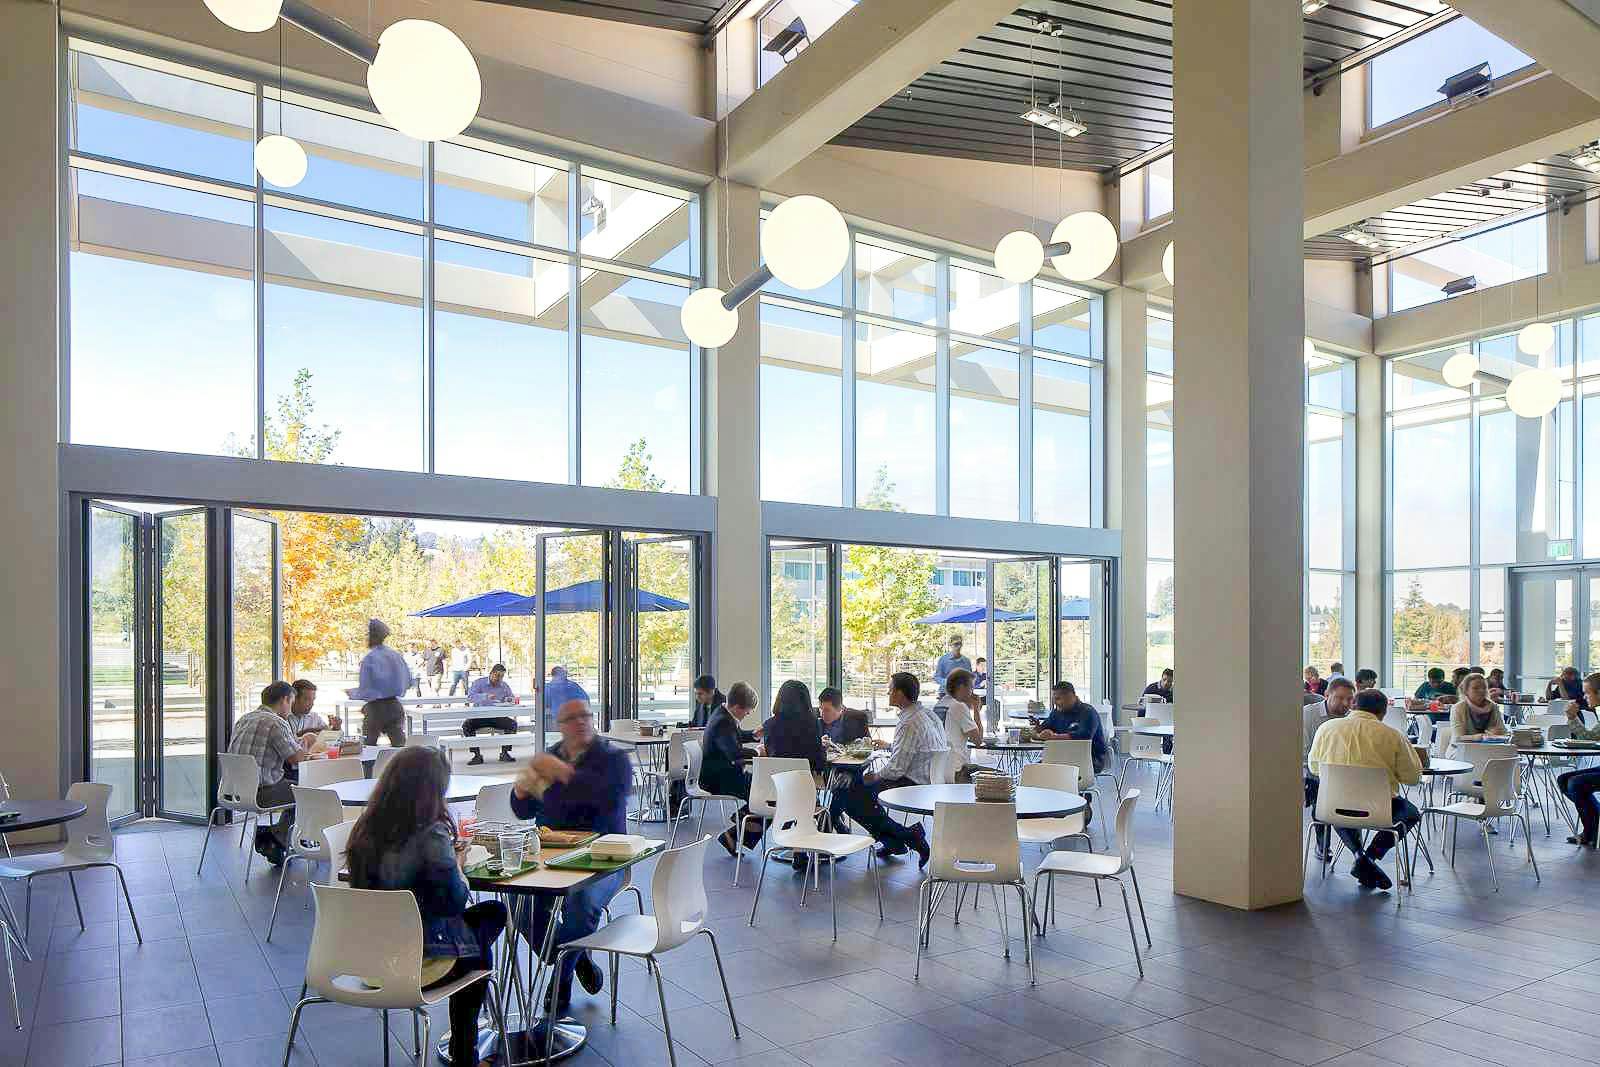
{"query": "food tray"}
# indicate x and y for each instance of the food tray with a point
(565, 838)
(482, 870)
(583, 861)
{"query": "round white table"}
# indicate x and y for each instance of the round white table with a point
(462, 787)
(1162, 729)
(1032, 801)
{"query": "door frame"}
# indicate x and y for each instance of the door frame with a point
(606, 628)
(1050, 627)
(155, 666)
(1580, 573)
(628, 613)
(84, 529)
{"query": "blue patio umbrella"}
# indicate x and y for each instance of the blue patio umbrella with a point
(590, 596)
(495, 604)
(963, 614)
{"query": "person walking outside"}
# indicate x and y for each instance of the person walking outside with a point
(383, 681)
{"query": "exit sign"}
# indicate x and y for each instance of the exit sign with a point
(1561, 549)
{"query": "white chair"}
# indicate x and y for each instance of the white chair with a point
(1501, 786)
(763, 803)
(236, 792)
(494, 803)
(1147, 750)
(89, 844)
(1079, 754)
(974, 844)
(338, 838)
(694, 795)
(382, 761)
(1098, 868)
(1360, 799)
(1440, 745)
(1559, 708)
(1161, 711)
(1546, 721)
(1397, 719)
(794, 829)
(317, 773)
(1479, 753)
(366, 952)
(1425, 731)
(1393, 693)
(1046, 832)
(678, 894)
(314, 811)
(424, 741)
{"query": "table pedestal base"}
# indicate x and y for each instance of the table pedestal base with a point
(527, 1046)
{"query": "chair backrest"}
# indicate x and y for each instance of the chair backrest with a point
(1393, 693)
(1079, 754)
(678, 894)
(5, 790)
(240, 776)
(422, 741)
(1425, 730)
(1396, 719)
(942, 770)
(316, 773)
(1441, 740)
(795, 808)
(693, 752)
(677, 762)
(384, 756)
(1167, 713)
(1047, 775)
(1125, 811)
(366, 947)
(89, 835)
(1480, 753)
(1558, 707)
(763, 795)
(338, 838)
(494, 803)
(975, 843)
(1501, 783)
(314, 811)
(1141, 744)
(1357, 797)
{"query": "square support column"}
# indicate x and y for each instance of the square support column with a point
(1127, 484)
(732, 436)
(1371, 604)
(1239, 322)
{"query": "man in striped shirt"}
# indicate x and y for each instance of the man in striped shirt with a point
(918, 742)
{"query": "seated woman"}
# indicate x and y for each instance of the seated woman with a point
(724, 755)
(1475, 716)
(1497, 683)
(1566, 686)
(405, 839)
(1581, 786)
(581, 782)
(794, 732)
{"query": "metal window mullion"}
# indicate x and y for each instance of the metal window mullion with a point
(1097, 412)
(697, 360)
(430, 361)
(258, 256)
(65, 65)
(1475, 496)
(847, 381)
(1025, 404)
(941, 386)
(574, 332)
(835, 556)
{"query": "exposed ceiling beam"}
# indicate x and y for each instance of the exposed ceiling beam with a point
(1563, 35)
(873, 52)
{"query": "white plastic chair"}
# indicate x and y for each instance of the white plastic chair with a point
(1558, 708)
(89, 844)
(678, 895)
(1442, 736)
(317, 773)
(1147, 750)
(1098, 868)
(382, 761)
(1501, 787)
(1161, 711)
(423, 741)
(1046, 832)
(694, 795)
(366, 952)
(1359, 798)
(794, 829)
(236, 792)
(494, 803)
(1393, 693)
(763, 803)
(1397, 719)
(1080, 754)
(314, 811)
(338, 838)
(974, 844)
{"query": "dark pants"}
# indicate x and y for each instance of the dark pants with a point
(1580, 788)
(580, 917)
(840, 782)
(1404, 812)
(459, 678)
(385, 716)
(279, 792)
(861, 801)
(487, 920)
(1312, 784)
(504, 723)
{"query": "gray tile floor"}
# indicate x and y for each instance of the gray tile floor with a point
(1458, 974)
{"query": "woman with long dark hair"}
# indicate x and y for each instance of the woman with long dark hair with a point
(794, 731)
(405, 839)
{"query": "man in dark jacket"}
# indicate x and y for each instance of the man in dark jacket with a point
(727, 747)
(707, 698)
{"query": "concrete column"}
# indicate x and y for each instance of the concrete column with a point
(1371, 605)
(1240, 320)
(30, 603)
(1126, 490)
(733, 411)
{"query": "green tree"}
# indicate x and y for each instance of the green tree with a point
(884, 590)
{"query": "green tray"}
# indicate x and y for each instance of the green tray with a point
(481, 871)
(583, 861)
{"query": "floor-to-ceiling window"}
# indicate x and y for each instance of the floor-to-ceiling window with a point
(1159, 576)
(1475, 489)
(406, 306)
(1330, 510)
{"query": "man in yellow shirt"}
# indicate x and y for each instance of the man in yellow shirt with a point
(1360, 739)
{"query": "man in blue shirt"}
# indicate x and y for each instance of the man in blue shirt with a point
(557, 691)
(949, 662)
(490, 691)
(1073, 720)
(385, 677)
(580, 783)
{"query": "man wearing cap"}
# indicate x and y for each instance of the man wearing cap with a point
(384, 679)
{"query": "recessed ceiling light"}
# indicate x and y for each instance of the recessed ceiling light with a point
(1311, 7)
(1588, 157)
(1356, 235)
(1051, 117)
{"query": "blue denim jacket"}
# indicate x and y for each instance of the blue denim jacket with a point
(426, 865)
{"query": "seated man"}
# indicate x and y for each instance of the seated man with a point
(1366, 678)
(1581, 786)
(490, 690)
(1360, 739)
(581, 783)
(1161, 688)
(918, 740)
(707, 699)
(1334, 705)
(1071, 719)
(841, 725)
(264, 735)
(957, 709)
(1435, 688)
(726, 748)
(303, 721)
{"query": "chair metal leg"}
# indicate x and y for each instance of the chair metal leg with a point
(1098, 901)
(127, 898)
(1027, 942)
(283, 874)
(294, 1025)
(383, 1028)
(76, 903)
(924, 920)
(877, 883)
(11, 975)
(616, 967)
(833, 900)
(27, 908)
(1136, 896)
(738, 848)
(550, 1021)
(666, 1019)
(427, 1027)
(1133, 937)
(1488, 848)
(761, 879)
(249, 857)
(1005, 930)
(1529, 838)
(716, 954)
(206, 840)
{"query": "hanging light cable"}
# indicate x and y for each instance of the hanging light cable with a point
(279, 158)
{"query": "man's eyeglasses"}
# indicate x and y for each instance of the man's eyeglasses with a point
(585, 716)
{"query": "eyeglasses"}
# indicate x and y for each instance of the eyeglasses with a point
(586, 716)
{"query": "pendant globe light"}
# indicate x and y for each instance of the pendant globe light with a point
(1460, 369)
(424, 80)
(1019, 256)
(1536, 338)
(1534, 393)
(1167, 264)
(279, 159)
(247, 16)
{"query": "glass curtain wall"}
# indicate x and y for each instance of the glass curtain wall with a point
(1473, 488)
(918, 381)
(407, 306)
(1159, 380)
(1329, 511)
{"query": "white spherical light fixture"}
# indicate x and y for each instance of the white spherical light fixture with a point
(249, 16)
(1018, 256)
(1534, 393)
(1460, 369)
(1166, 263)
(805, 242)
(280, 160)
(1093, 245)
(1536, 338)
(706, 321)
(424, 80)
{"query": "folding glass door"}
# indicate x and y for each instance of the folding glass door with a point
(1020, 634)
(573, 618)
(660, 625)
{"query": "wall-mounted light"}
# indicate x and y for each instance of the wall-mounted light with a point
(1469, 85)
(1056, 118)
(1457, 286)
